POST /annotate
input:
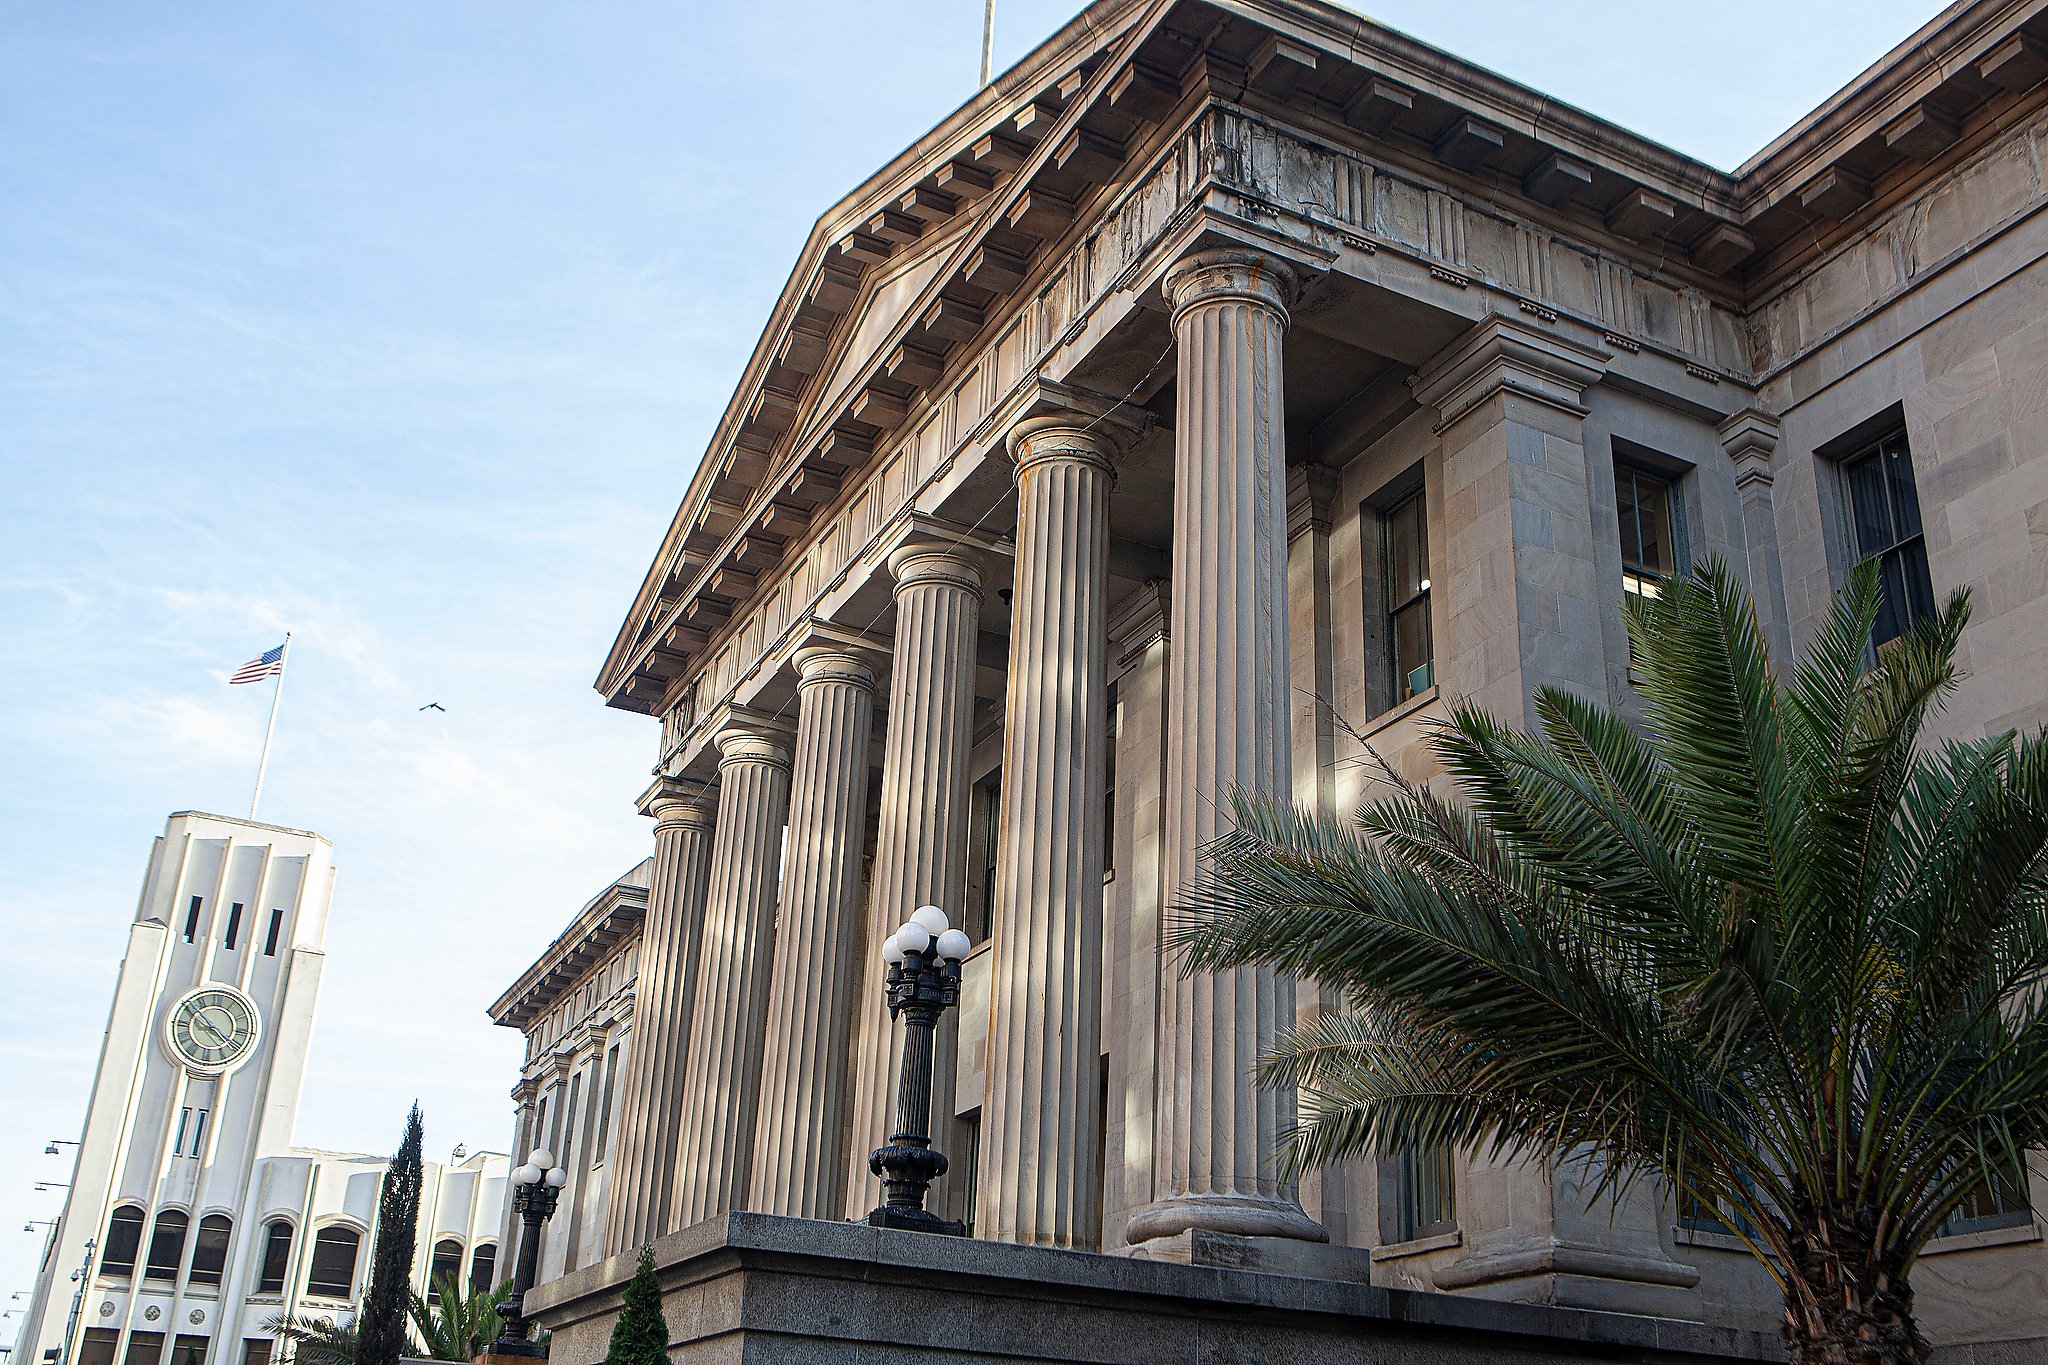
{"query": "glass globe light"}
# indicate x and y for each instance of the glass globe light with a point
(953, 945)
(892, 950)
(526, 1175)
(557, 1178)
(931, 918)
(541, 1157)
(913, 937)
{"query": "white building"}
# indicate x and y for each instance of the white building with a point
(204, 1221)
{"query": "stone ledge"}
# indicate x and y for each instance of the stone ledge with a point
(752, 1287)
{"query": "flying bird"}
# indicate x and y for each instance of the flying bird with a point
(435, 706)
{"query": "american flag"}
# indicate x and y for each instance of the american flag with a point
(268, 664)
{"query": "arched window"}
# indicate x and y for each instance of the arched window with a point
(210, 1248)
(447, 1263)
(166, 1246)
(334, 1262)
(277, 1257)
(483, 1268)
(124, 1239)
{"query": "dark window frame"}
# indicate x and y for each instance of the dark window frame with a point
(1399, 602)
(210, 1245)
(1881, 500)
(167, 1245)
(234, 925)
(270, 937)
(1672, 483)
(329, 1239)
(123, 1245)
(274, 1271)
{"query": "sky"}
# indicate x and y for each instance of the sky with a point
(402, 326)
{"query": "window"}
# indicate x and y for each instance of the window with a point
(98, 1346)
(270, 938)
(447, 1262)
(166, 1246)
(1405, 531)
(234, 925)
(277, 1258)
(198, 1134)
(192, 919)
(970, 1164)
(987, 805)
(1116, 718)
(189, 1350)
(124, 1239)
(1644, 507)
(184, 1127)
(1426, 1203)
(604, 1106)
(210, 1248)
(256, 1351)
(1884, 508)
(145, 1348)
(483, 1268)
(333, 1272)
(2001, 1204)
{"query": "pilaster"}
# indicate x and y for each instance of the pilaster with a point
(920, 824)
(1217, 1135)
(722, 1074)
(1040, 1128)
(650, 1098)
(1750, 439)
(800, 1145)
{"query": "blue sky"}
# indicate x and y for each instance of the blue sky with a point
(402, 325)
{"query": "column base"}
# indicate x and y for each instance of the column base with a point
(512, 1353)
(1573, 1275)
(1240, 1215)
(915, 1220)
(1267, 1255)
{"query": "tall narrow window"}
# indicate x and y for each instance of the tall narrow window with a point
(447, 1266)
(1884, 505)
(333, 1272)
(234, 925)
(166, 1246)
(198, 1133)
(124, 1239)
(192, 919)
(604, 1106)
(270, 938)
(184, 1127)
(987, 806)
(277, 1258)
(970, 1165)
(1649, 540)
(483, 1268)
(1116, 718)
(2001, 1204)
(1405, 527)
(562, 1153)
(210, 1248)
(1427, 1193)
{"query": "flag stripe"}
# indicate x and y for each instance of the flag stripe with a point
(268, 664)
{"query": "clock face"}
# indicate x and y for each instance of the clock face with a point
(214, 1028)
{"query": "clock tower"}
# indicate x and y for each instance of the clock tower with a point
(198, 1082)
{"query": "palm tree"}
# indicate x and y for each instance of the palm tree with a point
(306, 1340)
(453, 1325)
(1769, 948)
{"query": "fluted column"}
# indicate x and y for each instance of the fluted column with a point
(920, 825)
(650, 1108)
(1040, 1117)
(722, 1078)
(800, 1138)
(1227, 726)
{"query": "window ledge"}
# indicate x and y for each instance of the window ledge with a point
(2028, 1231)
(1717, 1241)
(1441, 1241)
(1397, 713)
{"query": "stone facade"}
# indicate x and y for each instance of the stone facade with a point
(1219, 373)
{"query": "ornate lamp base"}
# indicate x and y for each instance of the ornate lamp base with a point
(915, 1220)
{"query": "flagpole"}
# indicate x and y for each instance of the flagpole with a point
(270, 729)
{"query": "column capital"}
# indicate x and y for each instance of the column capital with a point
(1311, 494)
(824, 664)
(1750, 439)
(679, 803)
(1073, 436)
(751, 746)
(931, 562)
(1497, 355)
(1233, 273)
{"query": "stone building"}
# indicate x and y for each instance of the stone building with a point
(1225, 368)
(193, 1215)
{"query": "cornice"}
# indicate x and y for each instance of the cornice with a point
(1497, 355)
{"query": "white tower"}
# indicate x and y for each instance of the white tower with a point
(198, 1078)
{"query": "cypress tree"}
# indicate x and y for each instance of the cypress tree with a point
(640, 1336)
(380, 1327)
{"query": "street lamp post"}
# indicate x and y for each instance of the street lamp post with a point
(536, 1186)
(923, 959)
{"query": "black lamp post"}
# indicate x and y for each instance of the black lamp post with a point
(536, 1187)
(923, 958)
